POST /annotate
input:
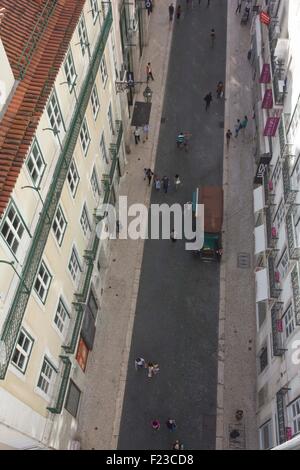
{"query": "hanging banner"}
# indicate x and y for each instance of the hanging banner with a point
(271, 126)
(265, 76)
(267, 102)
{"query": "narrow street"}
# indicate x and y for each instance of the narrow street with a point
(176, 322)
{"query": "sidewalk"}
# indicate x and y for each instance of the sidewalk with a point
(101, 405)
(237, 327)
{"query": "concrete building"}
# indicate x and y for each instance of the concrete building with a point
(274, 55)
(62, 154)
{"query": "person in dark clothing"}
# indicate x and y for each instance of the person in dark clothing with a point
(171, 12)
(208, 100)
(178, 12)
(165, 183)
(149, 175)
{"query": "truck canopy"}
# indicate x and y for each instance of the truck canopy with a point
(212, 198)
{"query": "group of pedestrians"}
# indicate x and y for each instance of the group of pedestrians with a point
(153, 367)
(219, 93)
(179, 8)
(163, 182)
(137, 133)
(239, 126)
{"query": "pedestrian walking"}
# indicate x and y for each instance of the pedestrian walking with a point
(171, 12)
(149, 72)
(137, 135)
(239, 6)
(177, 445)
(212, 37)
(149, 175)
(139, 363)
(178, 12)
(173, 236)
(228, 137)
(220, 90)
(171, 424)
(157, 183)
(155, 424)
(150, 366)
(237, 128)
(244, 122)
(208, 100)
(247, 8)
(165, 183)
(177, 182)
(180, 139)
(145, 132)
(145, 173)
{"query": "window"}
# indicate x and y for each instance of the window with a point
(103, 148)
(95, 10)
(82, 33)
(54, 113)
(62, 317)
(42, 282)
(73, 178)
(279, 214)
(12, 229)
(265, 434)
(59, 225)
(84, 137)
(295, 415)
(276, 173)
(70, 70)
(35, 163)
(283, 264)
(73, 398)
(22, 351)
(95, 184)
(288, 321)
(263, 358)
(47, 377)
(110, 119)
(84, 221)
(92, 304)
(95, 101)
(74, 265)
(103, 70)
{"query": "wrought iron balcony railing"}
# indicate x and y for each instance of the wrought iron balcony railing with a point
(277, 333)
(280, 402)
(274, 285)
(289, 190)
(15, 315)
(295, 278)
(63, 379)
(293, 242)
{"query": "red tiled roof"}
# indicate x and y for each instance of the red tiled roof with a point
(17, 128)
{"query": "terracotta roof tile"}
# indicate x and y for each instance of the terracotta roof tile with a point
(22, 20)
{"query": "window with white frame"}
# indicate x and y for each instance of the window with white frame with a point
(84, 221)
(54, 113)
(94, 9)
(103, 70)
(35, 163)
(95, 184)
(283, 264)
(265, 434)
(95, 101)
(110, 119)
(74, 265)
(47, 377)
(73, 177)
(62, 317)
(103, 148)
(22, 351)
(12, 228)
(70, 71)
(84, 136)
(82, 33)
(295, 415)
(42, 282)
(59, 225)
(279, 216)
(276, 173)
(288, 322)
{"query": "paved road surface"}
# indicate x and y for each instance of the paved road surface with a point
(177, 310)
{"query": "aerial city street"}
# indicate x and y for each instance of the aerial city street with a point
(149, 225)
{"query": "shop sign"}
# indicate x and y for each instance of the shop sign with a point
(265, 76)
(82, 354)
(271, 126)
(265, 18)
(268, 100)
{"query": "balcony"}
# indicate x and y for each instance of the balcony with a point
(61, 385)
(272, 237)
(274, 285)
(289, 190)
(281, 414)
(295, 279)
(276, 315)
(293, 241)
(268, 189)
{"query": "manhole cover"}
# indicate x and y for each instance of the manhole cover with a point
(163, 120)
(243, 260)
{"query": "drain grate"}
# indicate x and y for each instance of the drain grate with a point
(243, 260)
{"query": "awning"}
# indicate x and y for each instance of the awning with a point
(141, 114)
(260, 239)
(259, 199)
(262, 286)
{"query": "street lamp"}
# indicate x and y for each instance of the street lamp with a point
(40, 197)
(148, 94)
(11, 263)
